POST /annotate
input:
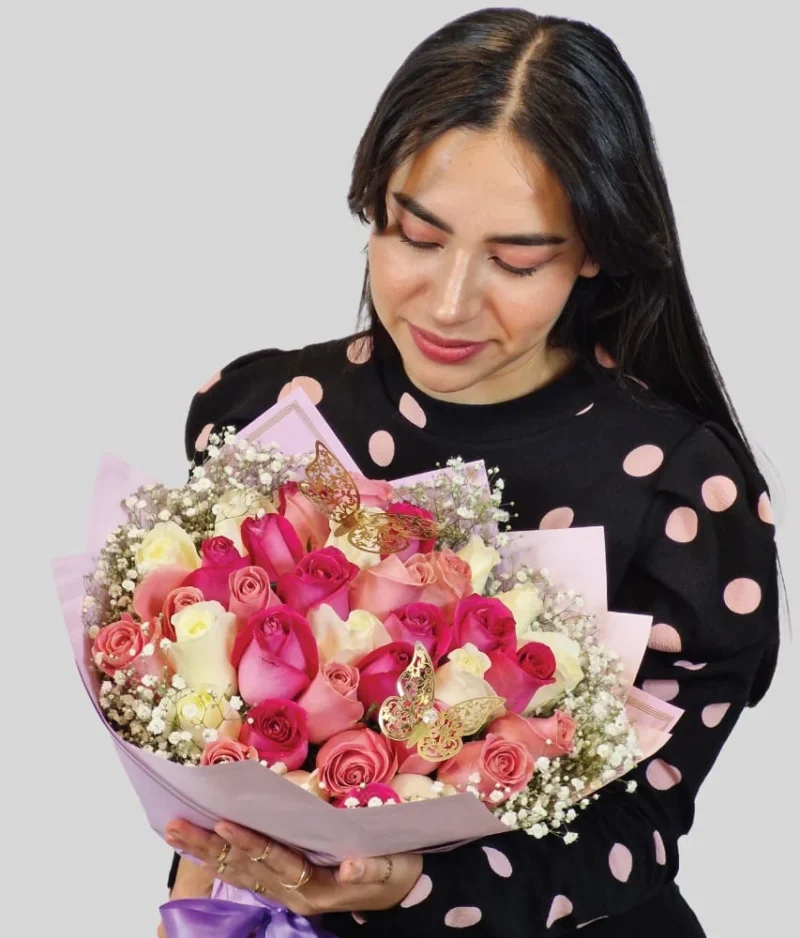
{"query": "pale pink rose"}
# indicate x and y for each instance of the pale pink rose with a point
(311, 525)
(356, 757)
(227, 750)
(542, 736)
(374, 493)
(502, 765)
(151, 593)
(175, 601)
(120, 646)
(331, 702)
(386, 586)
(250, 593)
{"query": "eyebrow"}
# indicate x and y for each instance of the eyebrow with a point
(536, 239)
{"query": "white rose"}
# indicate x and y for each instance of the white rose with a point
(201, 652)
(568, 670)
(361, 558)
(197, 711)
(412, 787)
(481, 558)
(166, 545)
(234, 506)
(461, 678)
(525, 604)
(346, 641)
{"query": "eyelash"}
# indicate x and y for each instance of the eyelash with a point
(430, 245)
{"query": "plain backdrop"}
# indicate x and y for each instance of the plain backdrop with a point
(174, 179)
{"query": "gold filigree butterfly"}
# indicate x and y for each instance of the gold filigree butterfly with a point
(333, 491)
(412, 716)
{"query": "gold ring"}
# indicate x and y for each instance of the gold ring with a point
(221, 867)
(389, 870)
(224, 853)
(304, 878)
(259, 888)
(264, 854)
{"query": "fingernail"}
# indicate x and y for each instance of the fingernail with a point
(356, 871)
(174, 840)
(225, 832)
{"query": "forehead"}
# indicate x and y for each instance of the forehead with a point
(466, 175)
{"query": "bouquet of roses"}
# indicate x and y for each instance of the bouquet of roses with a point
(281, 618)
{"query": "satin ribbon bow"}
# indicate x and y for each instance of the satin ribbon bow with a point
(220, 918)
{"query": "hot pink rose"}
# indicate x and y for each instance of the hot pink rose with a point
(151, 593)
(312, 527)
(278, 731)
(542, 736)
(519, 675)
(272, 543)
(486, 623)
(415, 545)
(250, 592)
(421, 622)
(174, 602)
(275, 655)
(119, 646)
(227, 750)
(363, 796)
(220, 559)
(379, 672)
(503, 766)
(356, 757)
(388, 585)
(374, 493)
(331, 701)
(323, 576)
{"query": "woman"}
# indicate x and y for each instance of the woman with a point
(528, 305)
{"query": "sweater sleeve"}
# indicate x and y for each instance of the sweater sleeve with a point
(706, 569)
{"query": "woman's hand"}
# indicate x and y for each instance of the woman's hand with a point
(255, 863)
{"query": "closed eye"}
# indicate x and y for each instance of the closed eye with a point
(430, 245)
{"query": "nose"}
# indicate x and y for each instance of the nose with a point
(457, 296)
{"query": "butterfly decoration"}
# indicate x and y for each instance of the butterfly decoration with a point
(411, 716)
(332, 490)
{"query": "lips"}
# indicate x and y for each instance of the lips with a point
(442, 350)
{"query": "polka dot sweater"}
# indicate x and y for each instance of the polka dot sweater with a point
(689, 540)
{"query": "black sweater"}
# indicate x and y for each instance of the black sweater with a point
(689, 540)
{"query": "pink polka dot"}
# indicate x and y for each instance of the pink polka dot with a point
(713, 714)
(561, 907)
(499, 862)
(603, 358)
(719, 493)
(662, 775)
(689, 666)
(664, 690)
(381, 447)
(556, 519)
(419, 892)
(643, 460)
(592, 921)
(742, 596)
(682, 525)
(661, 850)
(765, 509)
(462, 916)
(358, 918)
(202, 437)
(620, 861)
(585, 410)
(664, 638)
(411, 410)
(311, 386)
(210, 383)
(359, 350)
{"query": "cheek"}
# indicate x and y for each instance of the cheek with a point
(393, 275)
(528, 311)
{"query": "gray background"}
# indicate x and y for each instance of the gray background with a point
(173, 195)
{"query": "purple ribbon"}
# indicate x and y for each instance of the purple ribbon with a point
(220, 918)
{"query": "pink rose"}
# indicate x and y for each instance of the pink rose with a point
(387, 585)
(415, 545)
(277, 730)
(272, 543)
(542, 736)
(517, 676)
(323, 576)
(502, 765)
(275, 655)
(227, 750)
(379, 672)
(374, 493)
(486, 623)
(421, 622)
(151, 592)
(250, 592)
(119, 646)
(312, 527)
(331, 701)
(174, 602)
(363, 796)
(356, 757)
(220, 560)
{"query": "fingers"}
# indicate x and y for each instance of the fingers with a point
(205, 845)
(372, 871)
(286, 865)
(161, 933)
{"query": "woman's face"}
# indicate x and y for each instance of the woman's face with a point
(469, 306)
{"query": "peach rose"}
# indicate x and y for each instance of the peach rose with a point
(542, 736)
(388, 585)
(331, 701)
(356, 757)
(125, 644)
(498, 768)
(227, 750)
(311, 525)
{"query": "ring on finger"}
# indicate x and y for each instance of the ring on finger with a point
(221, 867)
(264, 853)
(224, 853)
(259, 888)
(389, 869)
(304, 878)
